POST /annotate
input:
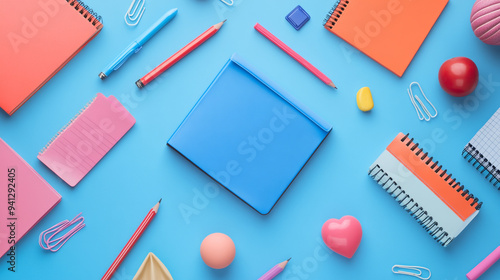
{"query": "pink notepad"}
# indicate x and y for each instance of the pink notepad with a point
(25, 197)
(82, 143)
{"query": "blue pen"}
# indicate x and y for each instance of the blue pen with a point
(137, 44)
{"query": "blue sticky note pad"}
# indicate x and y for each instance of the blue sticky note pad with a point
(249, 136)
(298, 17)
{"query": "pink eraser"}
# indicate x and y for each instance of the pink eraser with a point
(484, 265)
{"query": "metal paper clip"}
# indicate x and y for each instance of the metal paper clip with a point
(409, 270)
(422, 109)
(228, 3)
(135, 12)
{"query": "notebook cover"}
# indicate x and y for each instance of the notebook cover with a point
(31, 199)
(483, 150)
(81, 144)
(38, 39)
(249, 136)
(388, 31)
(425, 189)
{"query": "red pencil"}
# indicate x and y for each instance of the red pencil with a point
(294, 55)
(138, 232)
(178, 55)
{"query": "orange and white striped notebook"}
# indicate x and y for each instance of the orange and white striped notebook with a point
(424, 189)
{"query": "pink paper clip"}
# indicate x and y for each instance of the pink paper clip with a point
(51, 244)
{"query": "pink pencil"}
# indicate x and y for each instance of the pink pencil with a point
(151, 214)
(295, 55)
(484, 265)
(273, 272)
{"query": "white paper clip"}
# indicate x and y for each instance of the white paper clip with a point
(228, 3)
(409, 270)
(134, 12)
(422, 111)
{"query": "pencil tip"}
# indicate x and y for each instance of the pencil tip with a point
(160, 200)
(332, 85)
(219, 25)
(288, 259)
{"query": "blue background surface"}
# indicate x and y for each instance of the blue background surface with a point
(116, 195)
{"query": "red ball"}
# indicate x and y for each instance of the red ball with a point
(459, 76)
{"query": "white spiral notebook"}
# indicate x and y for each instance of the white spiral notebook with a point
(483, 150)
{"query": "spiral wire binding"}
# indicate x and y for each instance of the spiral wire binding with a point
(335, 12)
(410, 205)
(86, 11)
(61, 131)
(481, 163)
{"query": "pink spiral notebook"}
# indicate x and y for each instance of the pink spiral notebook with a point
(87, 138)
(25, 197)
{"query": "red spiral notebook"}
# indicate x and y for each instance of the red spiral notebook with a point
(38, 39)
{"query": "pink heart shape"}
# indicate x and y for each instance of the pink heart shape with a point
(342, 236)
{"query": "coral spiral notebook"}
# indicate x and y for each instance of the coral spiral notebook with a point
(24, 200)
(388, 31)
(37, 39)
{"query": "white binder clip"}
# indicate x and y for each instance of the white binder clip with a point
(135, 12)
(409, 270)
(422, 111)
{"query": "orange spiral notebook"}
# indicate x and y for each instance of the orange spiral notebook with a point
(38, 39)
(388, 31)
